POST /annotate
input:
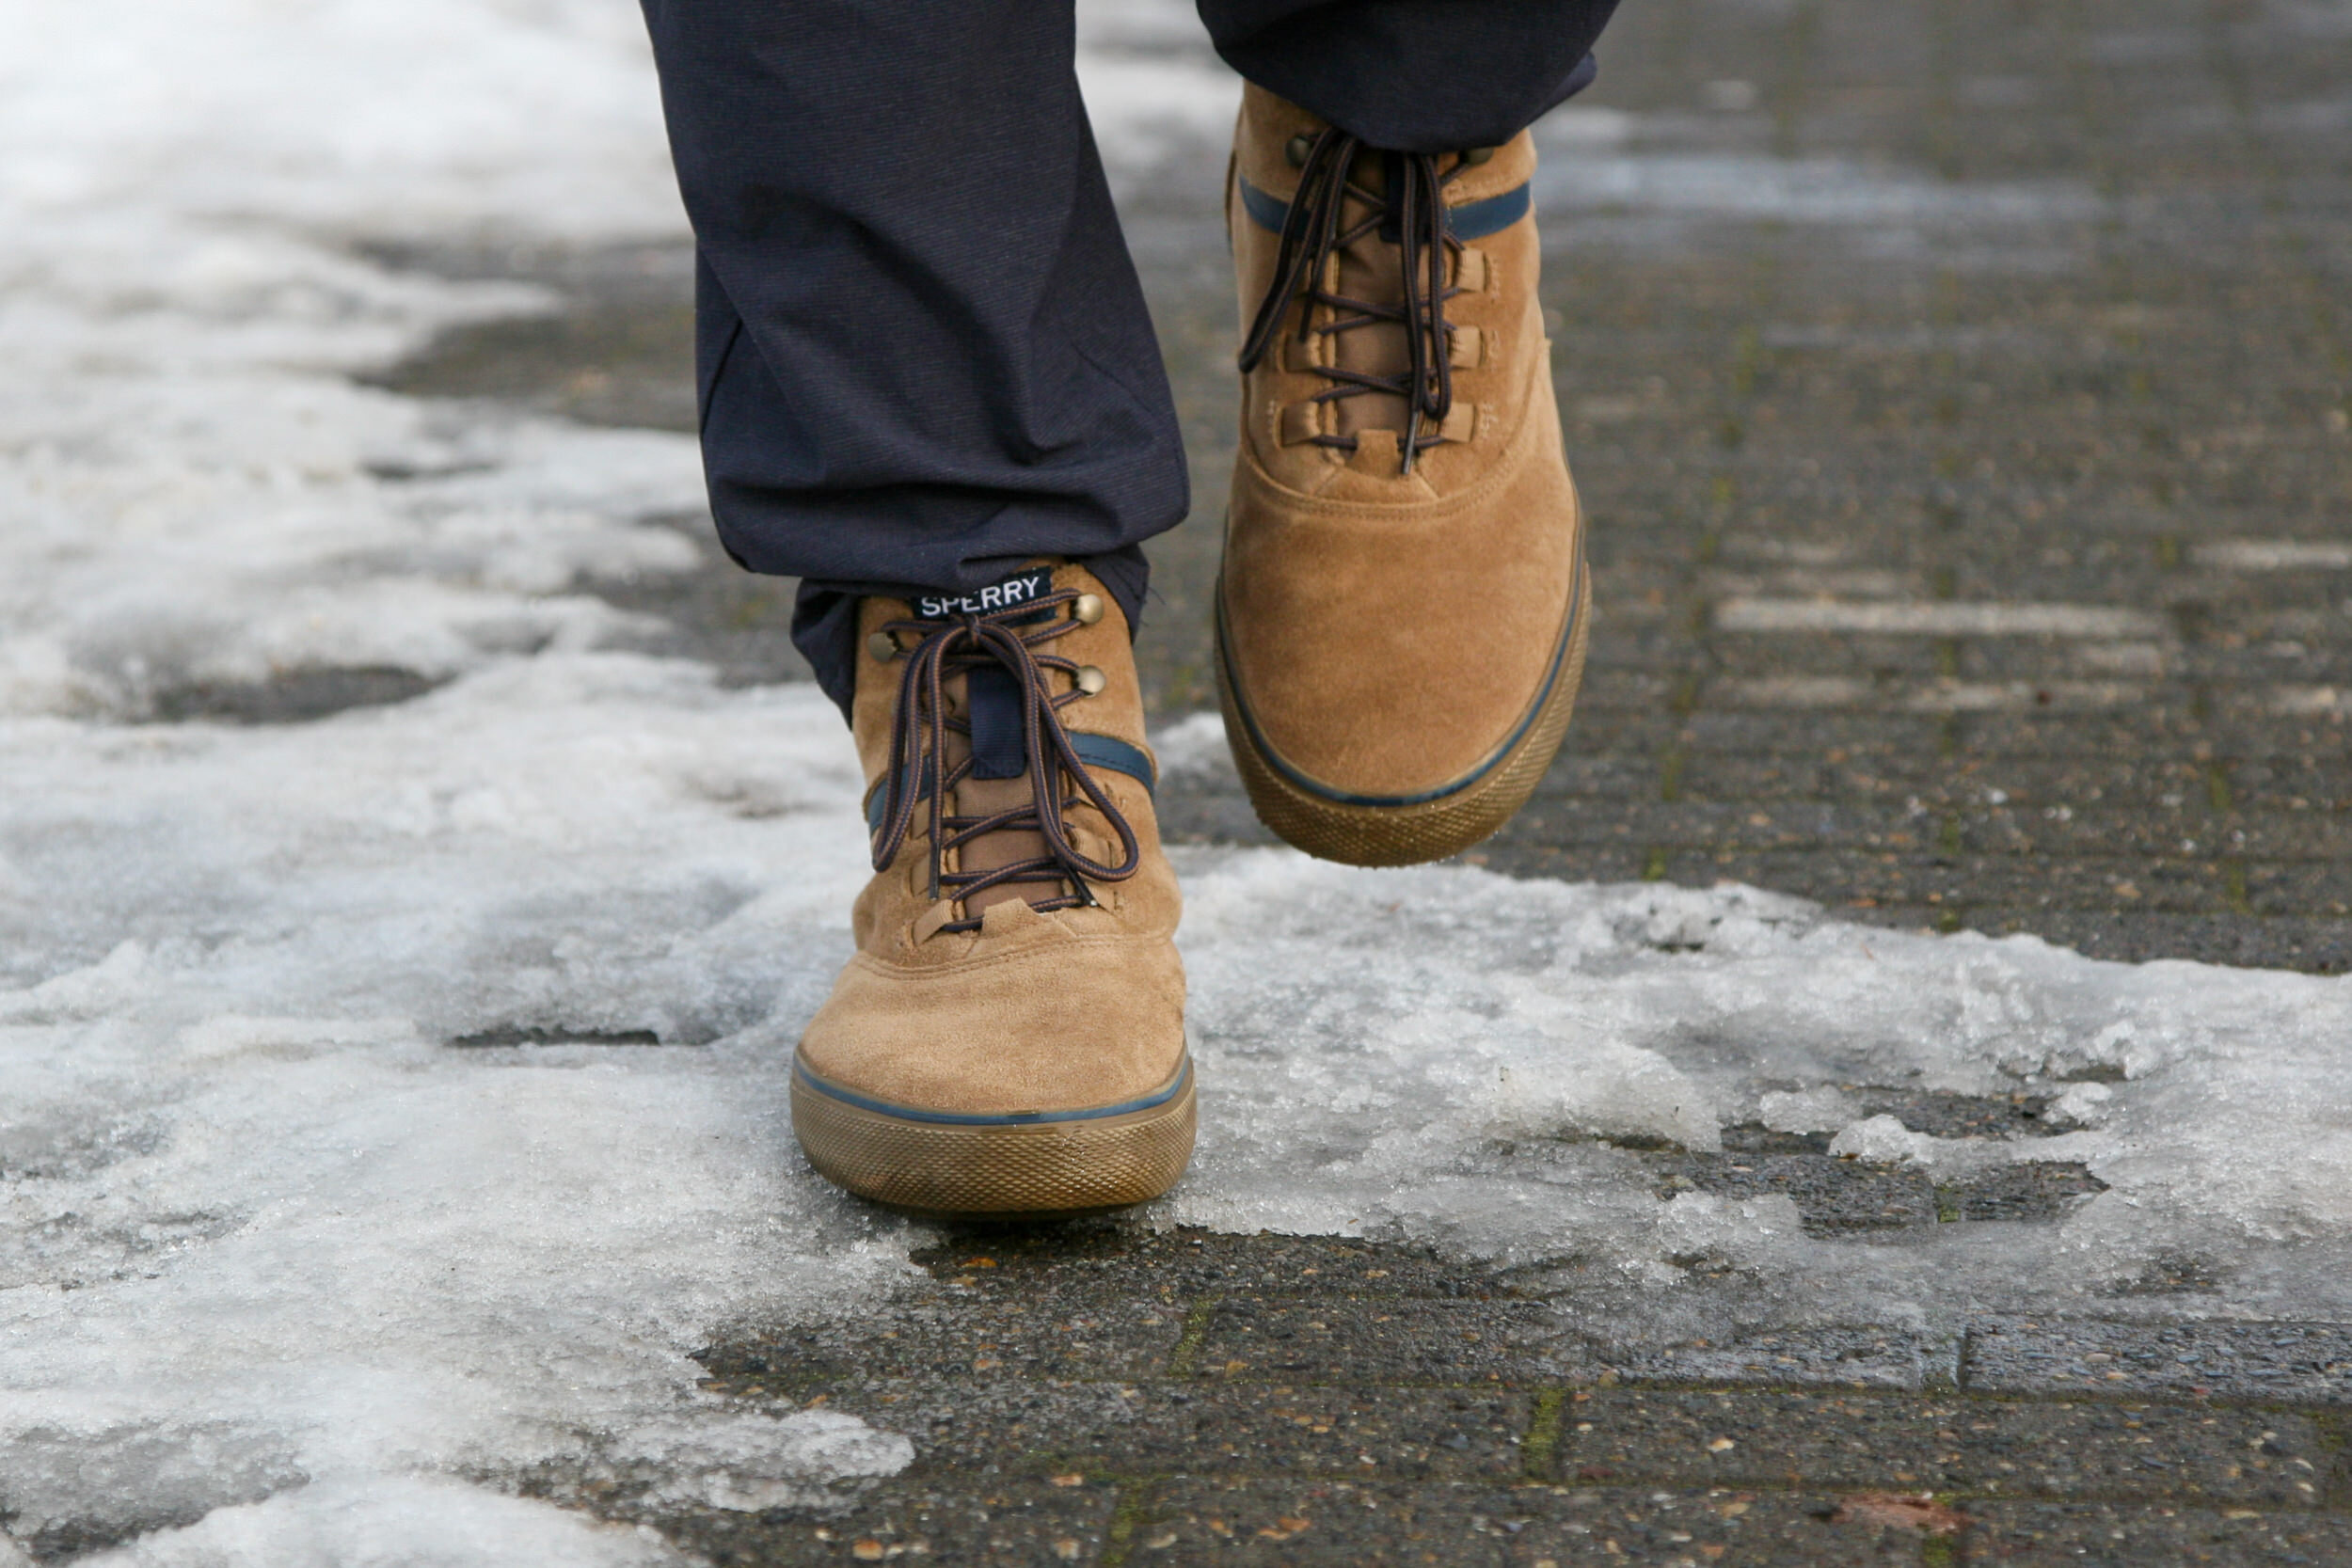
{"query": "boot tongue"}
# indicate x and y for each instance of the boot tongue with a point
(998, 780)
(993, 702)
(1372, 269)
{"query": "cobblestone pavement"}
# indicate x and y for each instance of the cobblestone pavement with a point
(1960, 393)
(1096, 1394)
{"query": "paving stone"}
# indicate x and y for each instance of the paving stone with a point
(1127, 1258)
(2237, 732)
(1198, 1520)
(1839, 1196)
(1579, 775)
(1045, 1334)
(622, 354)
(908, 1522)
(290, 697)
(2045, 734)
(1833, 1195)
(1855, 1442)
(2119, 1535)
(2030, 1192)
(965, 1427)
(1511, 854)
(1749, 824)
(2300, 1363)
(1407, 1341)
(2189, 828)
(1947, 1115)
(2305, 888)
(1828, 731)
(1753, 1137)
(1861, 1356)
(2296, 784)
(1849, 877)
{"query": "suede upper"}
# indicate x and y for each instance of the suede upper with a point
(1037, 1011)
(1388, 633)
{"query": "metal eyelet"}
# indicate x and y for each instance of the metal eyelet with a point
(1296, 149)
(881, 646)
(1091, 680)
(1089, 608)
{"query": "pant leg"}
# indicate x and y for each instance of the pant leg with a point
(923, 353)
(1415, 75)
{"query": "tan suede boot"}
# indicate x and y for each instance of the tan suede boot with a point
(1403, 608)
(1009, 1037)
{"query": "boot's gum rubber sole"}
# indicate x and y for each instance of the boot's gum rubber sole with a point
(1333, 826)
(1025, 1165)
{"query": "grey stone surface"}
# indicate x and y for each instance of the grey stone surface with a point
(1833, 1195)
(294, 697)
(2112, 1535)
(2287, 1362)
(1045, 1333)
(980, 1427)
(1991, 1447)
(1856, 1355)
(1197, 1520)
(1411, 1340)
(1018, 1523)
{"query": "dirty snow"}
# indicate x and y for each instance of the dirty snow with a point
(391, 1104)
(1449, 1055)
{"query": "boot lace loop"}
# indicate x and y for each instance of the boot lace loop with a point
(919, 774)
(1412, 213)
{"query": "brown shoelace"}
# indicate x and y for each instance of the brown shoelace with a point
(918, 745)
(1412, 213)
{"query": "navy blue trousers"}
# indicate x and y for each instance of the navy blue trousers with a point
(923, 357)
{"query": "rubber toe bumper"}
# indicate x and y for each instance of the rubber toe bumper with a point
(1334, 825)
(1029, 1164)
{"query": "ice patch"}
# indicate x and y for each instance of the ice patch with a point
(1446, 1053)
(1159, 98)
(750, 1462)
(1883, 1140)
(1193, 747)
(433, 116)
(189, 499)
(2081, 1105)
(259, 1210)
(1823, 1109)
(394, 1524)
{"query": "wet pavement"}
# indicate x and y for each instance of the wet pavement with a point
(1963, 398)
(1093, 1394)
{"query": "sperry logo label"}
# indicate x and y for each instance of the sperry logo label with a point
(1002, 595)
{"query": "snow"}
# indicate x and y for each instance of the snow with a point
(394, 1103)
(1820, 1109)
(1883, 1140)
(256, 1190)
(389, 1523)
(1449, 1055)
